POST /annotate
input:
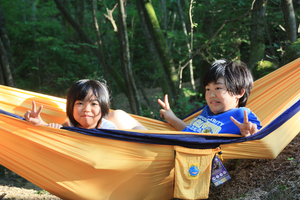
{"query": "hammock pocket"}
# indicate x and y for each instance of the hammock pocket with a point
(193, 172)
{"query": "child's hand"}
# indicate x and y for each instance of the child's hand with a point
(166, 112)
(247, 128)
(33, 116)
(169, 116)
(55, 125)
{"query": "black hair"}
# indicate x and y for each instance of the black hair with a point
(236, 75)
(80, 90)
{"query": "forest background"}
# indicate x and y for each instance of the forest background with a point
(138, 46)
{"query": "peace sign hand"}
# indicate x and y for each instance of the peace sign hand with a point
(169, 116)
(247, 128)
(33, 115)
(166, 112)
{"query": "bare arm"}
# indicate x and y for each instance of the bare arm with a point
(169, 116)
(123, 120)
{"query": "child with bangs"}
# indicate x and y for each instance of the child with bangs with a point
(88, 107)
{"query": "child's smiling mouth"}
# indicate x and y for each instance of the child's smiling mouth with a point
(214, 102)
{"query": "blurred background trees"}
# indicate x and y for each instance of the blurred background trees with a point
(142, 48)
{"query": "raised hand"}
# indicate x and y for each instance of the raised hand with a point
(166, 112)
(247, 128)
(169, 116)
(33, 115)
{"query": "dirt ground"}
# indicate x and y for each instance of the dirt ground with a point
(250, 180)
(13, 187)
(263, 179)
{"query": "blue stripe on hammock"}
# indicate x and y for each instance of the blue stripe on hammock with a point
(189, 141)
(11, 114)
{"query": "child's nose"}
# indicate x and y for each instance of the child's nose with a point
(86, 108)
(212, 93)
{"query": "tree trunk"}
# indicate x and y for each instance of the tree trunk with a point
(165, 17)
(7, 78)
(119, 32)
(156, 64)
(290, 20)
(113, 72)
(191, 45)
(181, 16)
(136, 78)
(99, 42)
(79, 12)
(160, 45)
(6, 56)
(170, 41)
(257, 48)
(126, 63)
(67, 25)
(208, 20)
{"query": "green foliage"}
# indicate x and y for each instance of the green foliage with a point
(45, 58)
(290, 158)
(263, 68)
(151, 113)
(185, 106)
(49, 55)
(291, 53)
(41, 192)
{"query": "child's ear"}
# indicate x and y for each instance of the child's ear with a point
(241, 94)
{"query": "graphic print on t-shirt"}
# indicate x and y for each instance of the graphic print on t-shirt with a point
(207, 122)
(203, 124)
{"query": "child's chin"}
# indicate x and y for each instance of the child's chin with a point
(215, 112)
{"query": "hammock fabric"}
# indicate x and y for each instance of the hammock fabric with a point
(75, 163)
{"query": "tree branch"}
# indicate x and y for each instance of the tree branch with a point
(224, 23)
(110, 17)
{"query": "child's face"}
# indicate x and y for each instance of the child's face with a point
(218, 98)
(87, 112)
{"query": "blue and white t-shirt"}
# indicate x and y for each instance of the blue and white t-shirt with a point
(207, 122)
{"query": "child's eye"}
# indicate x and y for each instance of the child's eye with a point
(78, 103)
(206, 89)
(95, 103)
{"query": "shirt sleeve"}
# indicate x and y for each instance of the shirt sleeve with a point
(254, 119)
(105, 124)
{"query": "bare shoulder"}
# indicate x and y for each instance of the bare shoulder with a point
(124, 121)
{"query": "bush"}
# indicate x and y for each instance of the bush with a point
(263, 68)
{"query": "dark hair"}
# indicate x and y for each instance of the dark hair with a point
(236, 76)
(80, 90)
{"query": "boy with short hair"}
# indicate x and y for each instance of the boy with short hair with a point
(227, 88)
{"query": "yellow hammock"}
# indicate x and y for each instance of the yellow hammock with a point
(77, 166)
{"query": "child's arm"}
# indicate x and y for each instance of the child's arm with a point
(122, 120)
(33, 115)
(169, 116)
(247, 128)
